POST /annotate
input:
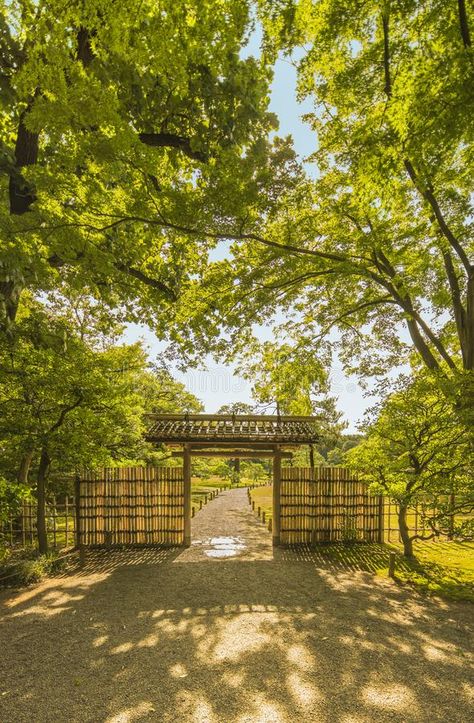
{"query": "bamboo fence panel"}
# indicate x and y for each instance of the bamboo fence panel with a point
(314, 506)
(327, 504)
(132, 506)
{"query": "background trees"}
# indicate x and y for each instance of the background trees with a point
(69, 400)
(417, 453)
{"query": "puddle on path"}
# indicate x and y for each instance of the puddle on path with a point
(222, 546)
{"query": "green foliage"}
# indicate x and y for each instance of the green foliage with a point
(212, 467)
(11, 498)
(132, 138)
(283, 376)
(378, 247)
(254, 471)
(236, 408)
(416, 450)
(291, 379)
(29, 568)
(59, 392)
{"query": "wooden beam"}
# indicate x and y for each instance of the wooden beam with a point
(242, 440)
(276, 498)
(187, 495)
(233, 454)
(233, 444)
(233, 417)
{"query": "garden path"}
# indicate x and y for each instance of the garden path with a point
(230, 632)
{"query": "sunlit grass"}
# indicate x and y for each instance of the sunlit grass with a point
(440, 567)
(201, 487)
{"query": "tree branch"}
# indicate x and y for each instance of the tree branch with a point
(64, 412)
(164, 223)
(463, 22)
(171, 140)
(403, 298)
(430, 198)
(359, 307)
(386, 53)
(141, 276)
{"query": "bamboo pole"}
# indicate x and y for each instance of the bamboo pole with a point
(276, 498)
(187, 495)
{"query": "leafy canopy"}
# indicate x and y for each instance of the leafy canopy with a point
(123, 125)
(376, 254)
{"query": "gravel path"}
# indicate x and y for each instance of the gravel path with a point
(230, 631)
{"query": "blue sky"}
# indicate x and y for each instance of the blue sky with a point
(219, 384)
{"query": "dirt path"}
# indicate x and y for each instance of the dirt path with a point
(230, 632)
(228, 529)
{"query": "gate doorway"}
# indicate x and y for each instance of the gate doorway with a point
(235, 436)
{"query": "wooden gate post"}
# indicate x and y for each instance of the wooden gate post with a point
(276, 497)
(79, 540)
(381, 510)
(187, 494)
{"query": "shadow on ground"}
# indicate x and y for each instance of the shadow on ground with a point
(148, 635)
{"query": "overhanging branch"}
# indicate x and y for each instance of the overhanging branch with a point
(171, 140)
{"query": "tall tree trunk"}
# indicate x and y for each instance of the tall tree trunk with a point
(41, 501)
(404, 532)
(311, 456)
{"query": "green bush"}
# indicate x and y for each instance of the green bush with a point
(31, 569)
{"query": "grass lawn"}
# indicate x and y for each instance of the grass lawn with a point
(440, 567)
(202, 487)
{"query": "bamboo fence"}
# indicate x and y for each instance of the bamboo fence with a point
(138, 505)
(327, 504)
(131, 506)
(20, 529)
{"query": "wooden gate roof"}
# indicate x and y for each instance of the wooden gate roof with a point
(218, 429)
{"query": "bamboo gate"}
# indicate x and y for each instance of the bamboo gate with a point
(148, 506)
(152, 505)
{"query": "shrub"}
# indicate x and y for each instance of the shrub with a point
(30, 569)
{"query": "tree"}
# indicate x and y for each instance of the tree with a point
(236, 408)
(121, 125)
(66, 402)
(292, 379)
(334, 454)
(379, 246)
(210, 467)
(416, 450)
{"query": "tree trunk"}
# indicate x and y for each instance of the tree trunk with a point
(237, 470)
(24, 468)
(404, 532)
(311, 456)
(452, 516)
(41, 501)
